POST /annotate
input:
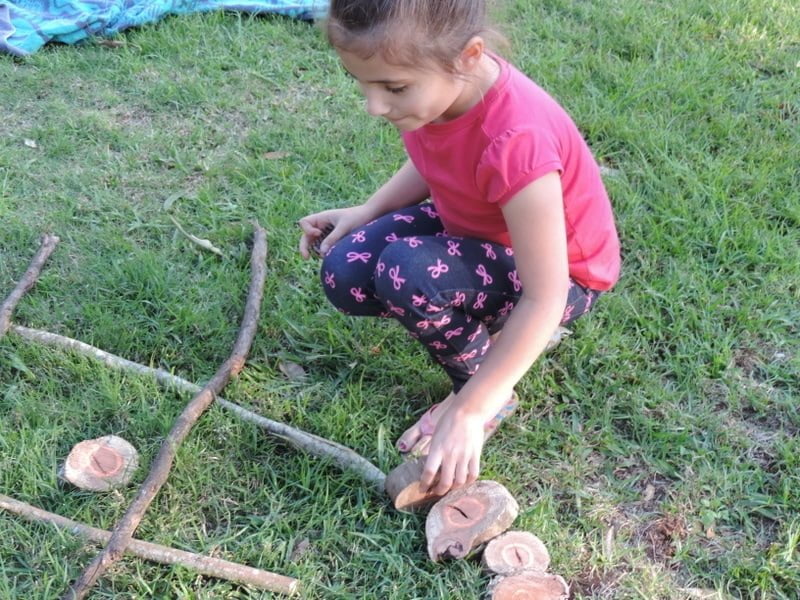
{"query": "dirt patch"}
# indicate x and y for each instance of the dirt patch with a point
(599, 583)
(661, 537)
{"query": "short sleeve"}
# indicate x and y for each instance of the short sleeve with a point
(514, 159)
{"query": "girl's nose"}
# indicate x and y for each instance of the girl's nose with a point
(375, 105)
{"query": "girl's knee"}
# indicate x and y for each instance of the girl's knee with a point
(344, 281)
(394, 271)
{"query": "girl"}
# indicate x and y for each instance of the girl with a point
(519, 235)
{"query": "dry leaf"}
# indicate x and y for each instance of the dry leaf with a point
(30, 143)
(300, 548)
(111, 43)
(649, 493)
(559, 334)
(293, 371)
(276, 154)
(203, 243)
(609, 172)
(171, 199)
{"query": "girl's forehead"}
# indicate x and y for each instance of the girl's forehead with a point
(376, 69)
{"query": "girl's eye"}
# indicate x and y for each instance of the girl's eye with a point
(397, 90)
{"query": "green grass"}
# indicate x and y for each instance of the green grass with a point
(670, 419)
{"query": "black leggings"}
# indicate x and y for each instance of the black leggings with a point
(450, 293)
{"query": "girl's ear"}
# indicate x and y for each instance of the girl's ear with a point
(471, 54)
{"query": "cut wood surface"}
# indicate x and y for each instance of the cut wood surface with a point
(467, 517)
(101, 464)
(123, 532)
(529, 586)
(214, 567)
(516, 551)
(343, 456)
(403, 487)
(28, 279)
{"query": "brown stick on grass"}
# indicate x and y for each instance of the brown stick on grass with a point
(213, 567)
(123, 532)
(343, 456)
(28, 279)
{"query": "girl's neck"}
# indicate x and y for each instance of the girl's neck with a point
(476, 84)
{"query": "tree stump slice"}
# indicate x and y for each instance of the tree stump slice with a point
(467, 517)
(101, 464)
(529, 586)
(516, 551)
(402, 485)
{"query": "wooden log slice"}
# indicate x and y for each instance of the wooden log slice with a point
(516, 551)
(101, 464)
(402, 485)
(467, 517)
(529, 586)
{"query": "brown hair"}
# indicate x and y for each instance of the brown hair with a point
(407, 32)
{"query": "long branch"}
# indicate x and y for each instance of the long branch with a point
(123, 532)
(28, 279)
(214, 567)
(343, 456)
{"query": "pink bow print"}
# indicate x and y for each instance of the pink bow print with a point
(438, 268)
(418, 300)
(480, 300)
(481, 270)
(362, 256)
(489, 251)
(397, 281)
(358, 294)
(429, 211)
(453, 332)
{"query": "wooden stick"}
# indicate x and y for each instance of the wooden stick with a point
(214, 567)
(123, 532)
(28, 279)
(343, 456)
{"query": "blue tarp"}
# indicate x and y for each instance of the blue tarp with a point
(27, 25)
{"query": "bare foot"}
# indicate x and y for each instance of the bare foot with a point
(416, 438)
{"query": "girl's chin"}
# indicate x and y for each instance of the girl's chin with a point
(406, 124)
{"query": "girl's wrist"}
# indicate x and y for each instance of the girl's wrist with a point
(482, 406)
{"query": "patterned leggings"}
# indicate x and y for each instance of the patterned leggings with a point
(450, 293)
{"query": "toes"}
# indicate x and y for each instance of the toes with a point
(409, 439)
(422, 446)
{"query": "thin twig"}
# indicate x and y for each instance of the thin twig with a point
(214, 567)
(343, 456)
(28, 279)
(123, 532)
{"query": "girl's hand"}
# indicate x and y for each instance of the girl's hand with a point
(343, 221)
(455, 451)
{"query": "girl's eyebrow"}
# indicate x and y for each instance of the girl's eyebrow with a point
(383, 81)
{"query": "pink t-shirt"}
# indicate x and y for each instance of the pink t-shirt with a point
(478, 161)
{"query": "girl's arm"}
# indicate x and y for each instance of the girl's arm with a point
(535, 218)
(405, 188)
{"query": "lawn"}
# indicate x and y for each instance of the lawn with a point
(656, 450)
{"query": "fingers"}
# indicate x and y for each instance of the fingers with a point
(442, 474)
(331, 236)
(430, 472)
(312, 227)
(446, 476)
